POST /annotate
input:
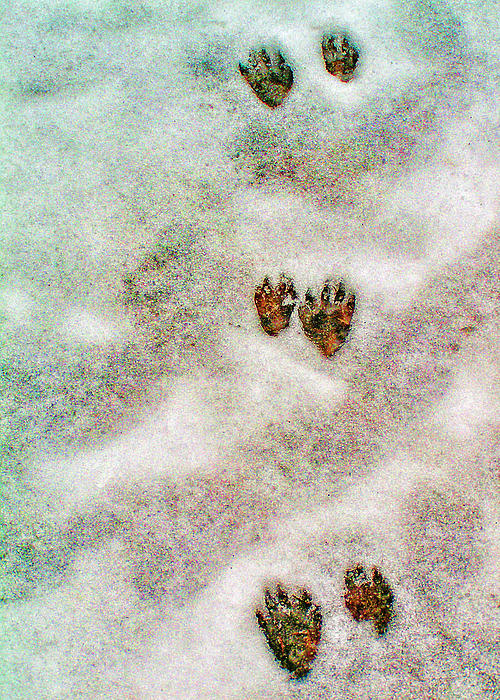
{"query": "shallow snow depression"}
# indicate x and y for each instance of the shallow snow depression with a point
(163, 459)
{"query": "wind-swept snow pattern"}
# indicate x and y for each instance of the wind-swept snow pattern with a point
(165, 458)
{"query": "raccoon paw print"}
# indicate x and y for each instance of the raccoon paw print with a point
(367, 600)
(292, 628)
(340, 56)
(271, 78)
(275, 305)
(326, 323)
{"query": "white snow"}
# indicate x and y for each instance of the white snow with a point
(163, 464)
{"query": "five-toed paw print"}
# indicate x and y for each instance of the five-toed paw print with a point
(367, 600)
(327, 322)
(292, 627)
(340, 56)
(270, 77)
(275, 305)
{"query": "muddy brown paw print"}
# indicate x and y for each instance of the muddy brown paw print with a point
(275, 305)
(271, 78)
(340, 56)
(326, 323)
(292, 627)
(367, 600)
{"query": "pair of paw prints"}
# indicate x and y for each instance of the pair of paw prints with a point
(326, 321)
(292, 622)
(271, 78)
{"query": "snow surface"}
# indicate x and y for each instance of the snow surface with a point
(160, 468)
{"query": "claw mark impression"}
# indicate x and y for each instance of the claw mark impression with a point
(292, 627)
(367, 600)
(327, 322)
(275, 305)
(340, 56)
(270, 77)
